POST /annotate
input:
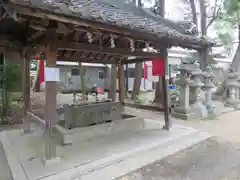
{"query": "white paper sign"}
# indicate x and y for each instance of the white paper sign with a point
(52, 74)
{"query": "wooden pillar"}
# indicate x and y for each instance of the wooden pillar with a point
(168, 121)
(26, 94)
(113, 88)
(52, 75)
(121, 83)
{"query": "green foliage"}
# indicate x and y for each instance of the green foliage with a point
(226, 21)
(233, 10)
(13, 77)
(224, 29)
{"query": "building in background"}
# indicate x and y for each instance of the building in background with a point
(70, 74)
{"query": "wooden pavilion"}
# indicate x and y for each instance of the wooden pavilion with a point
(95, 31)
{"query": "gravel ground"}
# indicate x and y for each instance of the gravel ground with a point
(210, 160)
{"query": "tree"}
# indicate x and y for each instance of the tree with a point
(10, 82)
(228, 18)
(203, 14)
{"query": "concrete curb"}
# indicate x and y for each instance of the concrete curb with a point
(141, 159)
(78, 172)
(15, 167)
(114, 166)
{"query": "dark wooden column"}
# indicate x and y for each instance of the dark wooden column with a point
(51, 100)
(26, 94)
(121, 83)
(113, 88)
(167, 118)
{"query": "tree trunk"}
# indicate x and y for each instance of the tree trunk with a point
(137, 80)
(203, 54)
(113, 88)
(194, 12)
(203, 16)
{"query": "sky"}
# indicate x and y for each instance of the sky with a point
(173, 11)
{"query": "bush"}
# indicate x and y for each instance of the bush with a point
(11, 81)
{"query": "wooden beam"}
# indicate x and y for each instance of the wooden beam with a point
(35, 36)
(107, 59)
(167, 118)
(102, 50)
(51, 94)
(113, 88)
(26, 93)
(79, 59)
(135, 60)
(121, 83)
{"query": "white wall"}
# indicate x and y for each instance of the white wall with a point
(91, 77)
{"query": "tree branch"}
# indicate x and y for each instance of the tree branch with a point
(194, 12)
(216, 13)
(203, 16)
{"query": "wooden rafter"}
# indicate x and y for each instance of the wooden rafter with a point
(114, 51)
(113, 60)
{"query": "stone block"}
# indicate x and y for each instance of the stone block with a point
(89, 114)
(79, 134)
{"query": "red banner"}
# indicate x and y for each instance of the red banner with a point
(158, 67)
(41, 71)
(145, 71)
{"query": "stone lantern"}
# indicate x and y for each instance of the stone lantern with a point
(197, 106)
(208, 86)
(182, 110)
(232, 85)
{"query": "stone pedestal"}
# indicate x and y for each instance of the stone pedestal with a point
(232, 85)
(89, 114)
(182, 110)
(197, 106)
(208, 85)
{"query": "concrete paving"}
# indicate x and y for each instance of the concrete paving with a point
(212, 159)
(5, 173)
(225, 127)
(106, 156)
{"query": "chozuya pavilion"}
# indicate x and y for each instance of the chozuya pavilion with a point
(90, 136)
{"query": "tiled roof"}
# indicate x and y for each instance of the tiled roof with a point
(116, 12)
